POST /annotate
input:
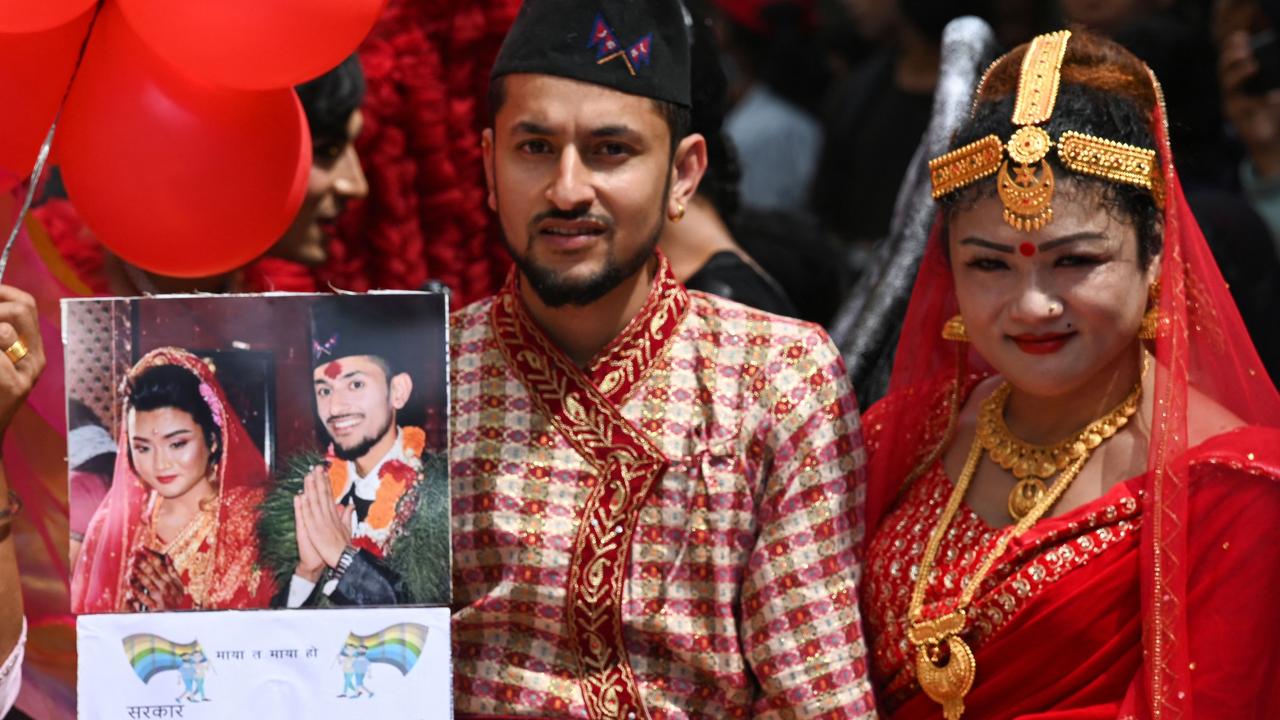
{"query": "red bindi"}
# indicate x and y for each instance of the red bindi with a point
(1027, 249)
(333, 369)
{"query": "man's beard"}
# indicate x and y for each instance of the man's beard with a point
(556, 291)
(364, 446)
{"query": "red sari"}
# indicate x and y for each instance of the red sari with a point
(216, 555)
(1057, 625)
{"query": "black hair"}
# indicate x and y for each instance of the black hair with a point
(677, 117)
(931, 16)
(710, 91)
(1086, 110)
(328, 102)
(170, 386)
(787, 59)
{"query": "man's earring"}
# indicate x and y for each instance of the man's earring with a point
(955, 330)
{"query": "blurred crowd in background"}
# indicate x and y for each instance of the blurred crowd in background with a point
(813, 110)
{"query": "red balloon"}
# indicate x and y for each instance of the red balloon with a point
(21, 16)
(253, 44)
(34, 71)
(179, 178)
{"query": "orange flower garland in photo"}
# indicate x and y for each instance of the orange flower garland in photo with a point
(338, 477)
(396, 477)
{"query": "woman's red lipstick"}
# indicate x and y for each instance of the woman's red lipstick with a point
(166, 479)
(1045, 344)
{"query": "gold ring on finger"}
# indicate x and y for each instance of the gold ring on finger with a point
(17, 351)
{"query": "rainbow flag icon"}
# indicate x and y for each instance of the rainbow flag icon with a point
(151, 654)
(398, 645)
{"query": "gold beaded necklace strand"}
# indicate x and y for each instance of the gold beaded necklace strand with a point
(945, 665)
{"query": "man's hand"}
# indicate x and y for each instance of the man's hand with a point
(18, 322)
(310, 564)
(1256, 117)
(327, 526)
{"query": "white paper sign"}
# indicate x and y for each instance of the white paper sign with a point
(261, 665)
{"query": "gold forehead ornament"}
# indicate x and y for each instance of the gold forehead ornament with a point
(1027, 191)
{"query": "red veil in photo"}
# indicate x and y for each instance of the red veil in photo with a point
(120, 526)
(1177, 622)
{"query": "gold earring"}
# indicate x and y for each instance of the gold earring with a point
(955, 330)
(679, 215)
(1150, 326)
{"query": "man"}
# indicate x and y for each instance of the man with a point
(347, 658)
(360, 666)
(332, 104)
(201, 663)
(654, 489)
(187, 670)
(347, 538)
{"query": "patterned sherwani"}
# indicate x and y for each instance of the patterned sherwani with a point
(666, 534)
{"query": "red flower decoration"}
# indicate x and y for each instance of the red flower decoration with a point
(364, 543)
(400, 472)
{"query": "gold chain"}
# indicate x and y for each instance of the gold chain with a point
(1033, 464)
(945, 665)
(1024, 459)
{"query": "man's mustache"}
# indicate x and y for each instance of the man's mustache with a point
(570, 215)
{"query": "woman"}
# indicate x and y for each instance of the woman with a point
(1078, 458)
(176, 531)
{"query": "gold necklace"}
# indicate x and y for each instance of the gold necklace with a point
(184, 548)
(1033, 464)
(945, 665)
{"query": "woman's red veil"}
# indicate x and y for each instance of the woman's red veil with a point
(99, 582)
(1202, 344)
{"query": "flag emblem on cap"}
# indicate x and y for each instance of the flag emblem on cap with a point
(605, 42)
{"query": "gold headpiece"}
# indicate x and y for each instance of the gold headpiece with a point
(1027, 192)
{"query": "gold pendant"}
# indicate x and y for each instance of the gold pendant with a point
(1027, 195)
(947, 683)
(1024, 497)
(945, 666)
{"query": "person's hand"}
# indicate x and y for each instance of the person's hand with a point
(310, 564)
(1256, 117)
(154, 584)
(18, 322)
(326, 525)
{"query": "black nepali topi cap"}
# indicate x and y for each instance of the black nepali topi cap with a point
(378, 325)
(639, 47)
